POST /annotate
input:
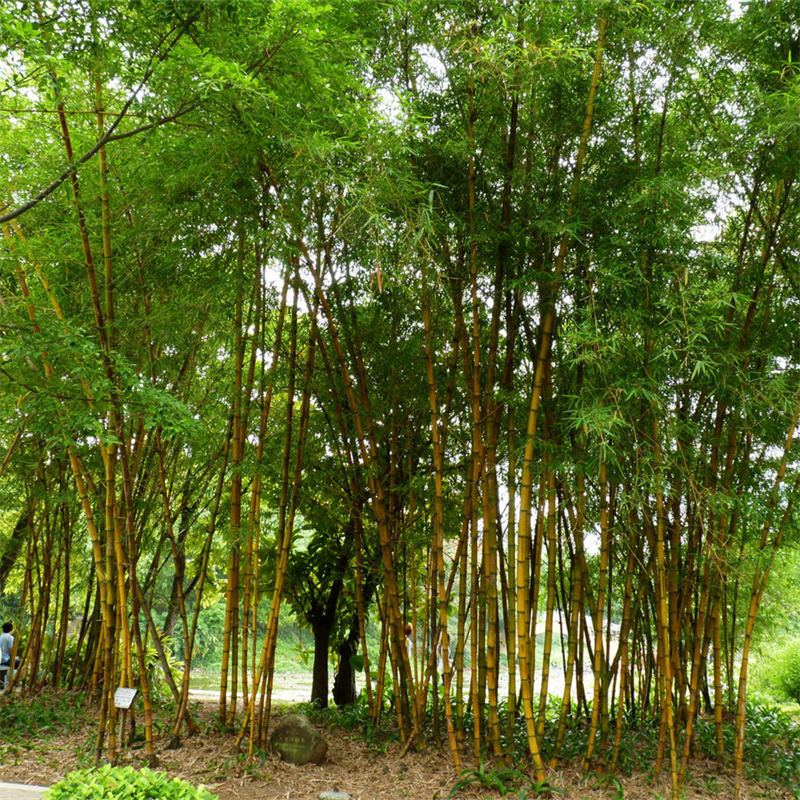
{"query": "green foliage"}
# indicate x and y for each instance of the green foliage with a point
(777, 671)
(772, 745)
(612, 783)
(158, 681)
(39, 716)
(504, 780)
(349, 717)
(293, 650)
(209, 635)
(354, 717)
(124, 783)
(357, 663)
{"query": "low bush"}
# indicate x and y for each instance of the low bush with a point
(124, 783)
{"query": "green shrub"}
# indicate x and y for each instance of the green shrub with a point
(124, 783)
(778, 671)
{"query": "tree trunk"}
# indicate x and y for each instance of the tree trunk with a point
(322, 619)
(344, 682)
(321, 628)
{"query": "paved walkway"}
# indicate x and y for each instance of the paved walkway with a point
(16, 791)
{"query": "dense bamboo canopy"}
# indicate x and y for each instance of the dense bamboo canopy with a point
(478, 316)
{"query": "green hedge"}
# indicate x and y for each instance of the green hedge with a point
(124, 783)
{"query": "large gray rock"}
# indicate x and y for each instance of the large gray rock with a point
(297, 741)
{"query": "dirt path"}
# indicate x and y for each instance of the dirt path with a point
(296, 687)
(288, 688)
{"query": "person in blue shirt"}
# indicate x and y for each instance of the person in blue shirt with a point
(7, 646)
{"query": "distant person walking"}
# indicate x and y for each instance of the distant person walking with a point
(410, 641)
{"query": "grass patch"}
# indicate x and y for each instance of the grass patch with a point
(30, 719)
(35, 716)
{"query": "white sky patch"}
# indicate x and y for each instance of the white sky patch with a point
(433, 62)
(13, 65)
(272, 274)
(781, 365)
(389, 106)
(724, 206)
(591, 542)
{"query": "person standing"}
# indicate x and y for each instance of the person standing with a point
(7, 646)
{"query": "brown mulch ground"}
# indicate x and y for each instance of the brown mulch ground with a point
(351, 766)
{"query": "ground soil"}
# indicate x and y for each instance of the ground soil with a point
(352, 766)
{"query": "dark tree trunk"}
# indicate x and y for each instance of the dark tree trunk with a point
(14, 547)
(319, 684)
(322, 619)
(173, 608)
(344, 683)
(92, 641)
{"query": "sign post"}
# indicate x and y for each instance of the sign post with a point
(123, 698)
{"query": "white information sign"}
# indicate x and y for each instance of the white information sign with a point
(123, 698)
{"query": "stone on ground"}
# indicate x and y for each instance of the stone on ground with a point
(334, 794)
(297, 741)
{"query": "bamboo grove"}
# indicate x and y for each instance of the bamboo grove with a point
(483, 316)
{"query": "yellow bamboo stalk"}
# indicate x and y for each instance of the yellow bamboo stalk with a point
(462, 608)
(284, 544)
(662, 616)
(624, 641)
(551, 596)
(769, 550)
(511, 627)
(77, 469)
(362, 626)
(600, 679)
(229, 643)
(438, 523)
(526, 483)
(475, 621)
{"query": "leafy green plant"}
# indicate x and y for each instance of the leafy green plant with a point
(493, 779)
(242, 762)
(503, 780)
(537, 788)
(772, 744)
(352, 717)
(124, 783)
(611, 782)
